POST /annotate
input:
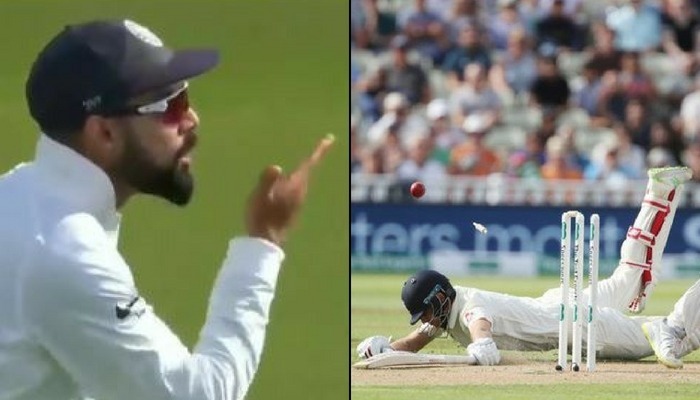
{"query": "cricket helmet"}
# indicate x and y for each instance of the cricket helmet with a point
(420, 292)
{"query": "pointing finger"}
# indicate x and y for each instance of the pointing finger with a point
(321, 149)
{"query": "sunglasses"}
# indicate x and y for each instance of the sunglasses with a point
(171, 109)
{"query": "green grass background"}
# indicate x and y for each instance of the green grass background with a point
(281, 86)
(376, 309)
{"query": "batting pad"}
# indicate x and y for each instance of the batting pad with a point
(406, 359)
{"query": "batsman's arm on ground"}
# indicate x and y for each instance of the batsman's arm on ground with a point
(480, 328)
(482, 347)
(80, 306)
(414, 341)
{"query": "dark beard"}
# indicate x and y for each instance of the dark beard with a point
(169, 182)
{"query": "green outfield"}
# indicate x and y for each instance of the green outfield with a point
(282, 85)
(376, 309)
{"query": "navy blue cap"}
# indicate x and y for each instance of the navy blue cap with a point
(97, 66)
(419, 289)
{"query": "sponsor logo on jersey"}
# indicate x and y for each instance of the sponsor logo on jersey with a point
(136, 307)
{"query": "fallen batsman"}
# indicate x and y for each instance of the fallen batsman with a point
(484, 322)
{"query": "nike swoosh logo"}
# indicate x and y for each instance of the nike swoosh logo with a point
(125, 311)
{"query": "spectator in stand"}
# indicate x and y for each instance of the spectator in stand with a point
(604, 56)
(637, 26)
(355, 76)
(619, 89)
(356, 148)
(419, 165)
(357, 22)
(663, 136)
(609, 169)
(586, 93)
(373, 28)
(472, 157)
(371, 89)
(475, 97)
(397, 116)
(556, 165)
(507, 20)
(550, 89)
(535, 148)
(629, 153)
(526, 163)
(557, 29)
(490, 8)
(548, 125)
(425, 30)
(612, 99)
(404, 77)
(464, 13)
(530, 14)
(680, 33)
(371, 161)
(470, 49)
(691, 158)
(690, 112)
(440, 7)
(387, 156)
(659, 157)
(355, 73)
(638, 123)
(395, 110)
(445, 134)
(635, 82)
(570, 8)
(514, 73)
(573, 156)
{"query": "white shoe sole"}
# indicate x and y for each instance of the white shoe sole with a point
(676, 175)
(664, 361)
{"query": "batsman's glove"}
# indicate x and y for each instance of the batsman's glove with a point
(374, 345)
(485, 351)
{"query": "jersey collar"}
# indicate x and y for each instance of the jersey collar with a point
(456, 309)
(76, 180)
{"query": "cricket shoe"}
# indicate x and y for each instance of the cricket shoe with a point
(672, 176)
(664, 342)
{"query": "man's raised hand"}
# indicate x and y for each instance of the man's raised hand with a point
(275, 202)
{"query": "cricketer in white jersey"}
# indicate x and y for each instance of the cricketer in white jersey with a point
(484, 321)
(111, 101)
(677, 335)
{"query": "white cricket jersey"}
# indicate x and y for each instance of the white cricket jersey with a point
(525, 323)
(518, 323)
(72, 323)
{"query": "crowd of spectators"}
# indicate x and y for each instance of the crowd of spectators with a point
(534, 89)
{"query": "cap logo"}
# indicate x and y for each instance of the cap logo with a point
(143, 33)
(92, 103)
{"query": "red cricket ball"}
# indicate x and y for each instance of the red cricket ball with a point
(417, 189)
